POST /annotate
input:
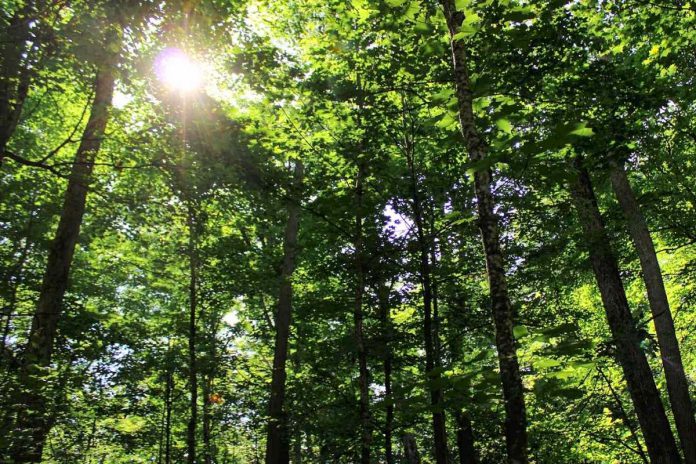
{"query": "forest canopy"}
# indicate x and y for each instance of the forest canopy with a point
(347, 231)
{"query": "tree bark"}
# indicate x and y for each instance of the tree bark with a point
(383, 301)
(363, 380)
(410, 449)
(31, 424)
(278, 440)
(193, 307)
(431, 359)
(465, 440)
(677, 383)
(641, 385)
(16, 75)
(168, 394)
(513, 392)
(207, 420)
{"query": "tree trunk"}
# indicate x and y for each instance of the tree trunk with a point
(513, 392)
(383, 296)
(207, 419)
(677, 383)
(168, 394)
(193, 306)
(278, 441)
(363, 381)
(641, 385)
(15, 75)
(297, 447)
(431, 359)
(465, 440)
(410, 449)
(32, 425)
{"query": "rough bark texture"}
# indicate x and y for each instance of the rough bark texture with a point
(278, 441)
(513, 392)
(677, 383)
(363, 381)
(193, 306)
(32, 424)
(465, 440)
(411, 455)
(383, 296)
(641, 385)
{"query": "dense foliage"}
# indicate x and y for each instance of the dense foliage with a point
(347, 231)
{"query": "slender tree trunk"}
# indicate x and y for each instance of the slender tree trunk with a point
(16, 75)
(513, 392)
(625, 417)
(641, 385)
(193, 307)
(465, 440)
(32, 425)
(410, 449)
(16, 271)
(383, 296)
(278, 441)
(677, 383)
(363, 380)
(297, 447)
(431, 359)
(207, 421)
(168, 394)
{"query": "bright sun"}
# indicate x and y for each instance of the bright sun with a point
(178, 71)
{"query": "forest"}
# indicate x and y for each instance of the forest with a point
(347, 231)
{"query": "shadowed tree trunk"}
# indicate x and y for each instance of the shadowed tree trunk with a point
(32, 425)
(193, 307)
(207, 418)
(431, 358)
(411, 455)
(465, 440)
(363, 381)
(168, 395)
(677, 383)
(15, 73)
(513, 392)
(278, 440)
(641, 385)
(383, 301)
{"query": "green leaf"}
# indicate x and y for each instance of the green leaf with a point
(582, 130)
(504, 125)
(520, 331)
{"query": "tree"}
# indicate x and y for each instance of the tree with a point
(515, 425)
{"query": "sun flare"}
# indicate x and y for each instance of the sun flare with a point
(178, 71)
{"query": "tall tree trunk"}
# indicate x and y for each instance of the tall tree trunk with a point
(193, 307)
(13, 278)
(677, 383)
(383, 301)
(168, 396)
(641, 385)
(411, 455)
(465, 440)
(15, 74)
(31, 424)
(207, 420)
(363, 381)
(513, 392)
(431, 359)
(297, 447)
(278, 441)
